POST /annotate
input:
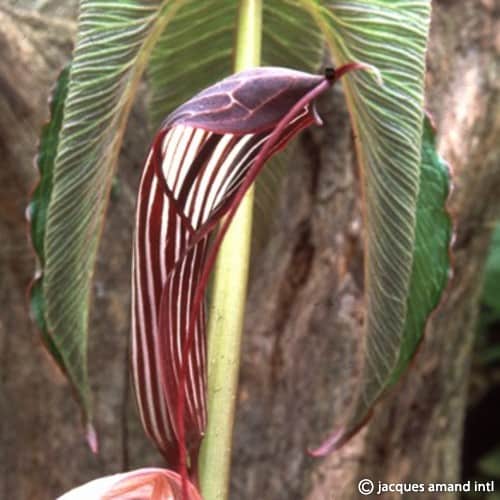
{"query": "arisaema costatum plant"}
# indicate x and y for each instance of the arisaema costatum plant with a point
(215, 134)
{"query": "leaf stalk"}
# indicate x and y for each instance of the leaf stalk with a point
(228, 301)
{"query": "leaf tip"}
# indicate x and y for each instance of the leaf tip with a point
(339, 437)
(332, 442)
(91, 438)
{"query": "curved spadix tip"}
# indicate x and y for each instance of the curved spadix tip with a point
(334, 74)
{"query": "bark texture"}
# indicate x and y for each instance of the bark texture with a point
(305, 311)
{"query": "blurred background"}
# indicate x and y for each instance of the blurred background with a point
(305, 309)
(481, 449)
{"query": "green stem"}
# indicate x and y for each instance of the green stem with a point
(228, 301)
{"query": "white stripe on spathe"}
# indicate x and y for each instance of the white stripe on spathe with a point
(179, 160)
(222, 173)
(237, 170)
(198, 139)
(152, 293)
(139, 321)
(204, 178)
(170, 163)
(147, 413)
(165, 221)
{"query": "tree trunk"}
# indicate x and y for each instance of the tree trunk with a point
(305, 312)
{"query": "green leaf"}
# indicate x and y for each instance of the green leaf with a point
(290, 36)
(195, 51)
(49, 140)
(431, 260)
(114, 41)
(429, 273)
(387, 123)
(37, 209)
(429, 277)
